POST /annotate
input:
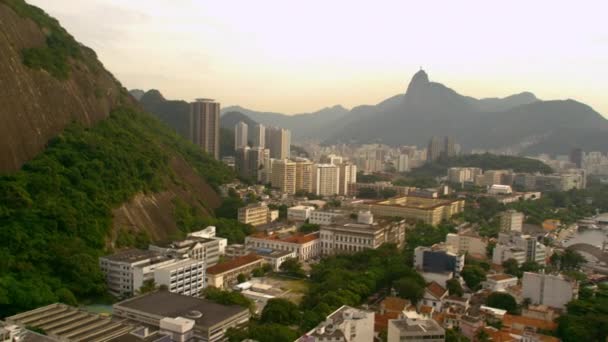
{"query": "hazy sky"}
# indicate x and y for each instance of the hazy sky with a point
(299, 56)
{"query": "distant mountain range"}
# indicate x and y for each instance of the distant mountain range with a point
(520, 122)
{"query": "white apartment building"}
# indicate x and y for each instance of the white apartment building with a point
(240, 135)
(326, 217)
(258, 136)
(533, 250)
(503, 253)
(254, 214)
(346, 324)
(185, 277)
(463, 174)
(306, 246)
(499, 282)
(548, 289)
(347, 175)
(403, 162)
(299, 213)
(467, 242)
(415, 330)
(326, 180)
(511, 221)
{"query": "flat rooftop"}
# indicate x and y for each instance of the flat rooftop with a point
(417, 326)
(132, 255)
(166, 304)
(232, 264)
(415, 202)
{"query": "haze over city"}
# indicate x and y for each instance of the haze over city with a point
(292, 58)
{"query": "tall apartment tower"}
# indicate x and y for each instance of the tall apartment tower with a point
(434, 149)
(576, 157)
(348, 175)
(258, 136)
(283, 176)
(511, 221)
(327, 180)
(240, 135)
(256, 158)
(304, 175)
(449, 147)
(278, 141)
(403, 163)
(205, 125)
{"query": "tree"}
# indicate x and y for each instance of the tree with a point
(280, 311)
(473, 275)
(454, 287)
(567, 260)
(293, 267)
(510, 266)
(482, 336)
(241, 278)
(503, 301)
(529, 266)
(147, 286)
(409, 288)
(309, 228)
(228, 297)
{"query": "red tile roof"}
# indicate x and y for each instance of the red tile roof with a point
(232, 264)
(425, 309)
(381, 321)
(394, 304)
(436, 290)
(295, 238)
(501, 276)
(509, 320)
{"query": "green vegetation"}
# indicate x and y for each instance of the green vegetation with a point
(425, 235)
(484, 161)
(568, 260)
(473, 275)
(454, 287)
(280, 311)
(417, 180)
(293, 268)
(363, 178)
(586, 319)
(56, 213)
(262, 333)
(503, 301)
(228, 298)
(309, 228)
(410, 287)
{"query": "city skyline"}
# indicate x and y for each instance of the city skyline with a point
(291, 59)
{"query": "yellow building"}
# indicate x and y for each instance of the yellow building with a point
(284, 176)
(253, 214)
(428, 210)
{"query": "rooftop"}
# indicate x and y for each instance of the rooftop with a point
(417, 325)
(166, 304)
(509, 320)
(415, 202)
(297, 238)
(436, 290)
(501, 276)
(232, 264)
(269, 252)
(132, 255)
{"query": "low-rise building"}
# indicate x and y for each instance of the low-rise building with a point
(499, 282)
(209, 233)
(225, 273)
(197, 248)
(438, 258)
(549, 289)
(325, 217)
(185, 276)
(499, 189)
(354, 189)
(236, 250)
(119, 269)
(254, 214)
(434, 295)
(364, 233)
(467, 242)
(428, 210)
(511, 245)
(461, 175)
(346, 324)
(306, 246)
(416, 330)
(211, 320)
(299, 213)
(274, 257)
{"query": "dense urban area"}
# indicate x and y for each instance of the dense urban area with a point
(177, 221)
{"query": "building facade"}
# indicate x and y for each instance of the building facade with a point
(549, 289)
(240, 135)
(225, 274)
(278, 141)
(205, 125)
(415, 330)
(348, 176)
(253, 214)
(326, 180)
(283, 176)
(304, 175)
(511, 221)
(306, 246)
(428, 210)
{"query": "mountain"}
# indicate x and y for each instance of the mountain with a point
(137, 93)
(520, 122)
(230, 119)
(85, 169)
(174, 113)
(315, 125)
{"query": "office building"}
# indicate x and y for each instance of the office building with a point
(326, 180)
(511, 221)
(211, 320)
(278, 141)
(549, 289)
(205, 125)
(185, 277)
(283, 176)
(348, 175)
(415, 330)
(258, 136)
(254, 214)
(304, 175)
(240, 135)
(209, 233)
(428, 210)
(225, 274)
(299, 213)
(306, 246)
(346, 324)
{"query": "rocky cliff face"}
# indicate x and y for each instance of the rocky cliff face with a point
(34, 105)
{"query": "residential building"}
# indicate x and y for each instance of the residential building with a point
(299, 213)
(428, 210)
(346, 324)
(365, 233)
(306, 246)
(305, 170)
(332, 159)
(491, 177)
(118, 269)
(255, 163)
(211, 320)
(449, 147)
(415, 330)
(434, 149)
(499, 189)
(278, 141)
(197, 248)
(499, 282)
(549, 289)
(467, 242)
(283, 176)
(434, 295)
(510, 244)
(185, 277)
(225, 273)
(521, 323)
(511, 221)
(209, 233)
(438, 258)
(347, 175)
(274, 257)
(463, 175)
(502, 253)
(390, 308)
(403, 163)
(258, 136)
(205, 125)
(254, 214)
(326, 217)
(241, 161)
(240, 135)
(326, 180)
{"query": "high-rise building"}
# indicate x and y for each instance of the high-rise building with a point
(241, 161)
(278, 141)
(304, 175)
(258, 136)
(434, 149)
(205, 125)
(348, 175)
(240, 135)
(255, 162)
(576, 157)
(331, 159)
(326, 180)
(403, 163)
(511, 221)
(449, 147)
(283, 176)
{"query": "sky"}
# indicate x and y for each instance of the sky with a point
(301, 56)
